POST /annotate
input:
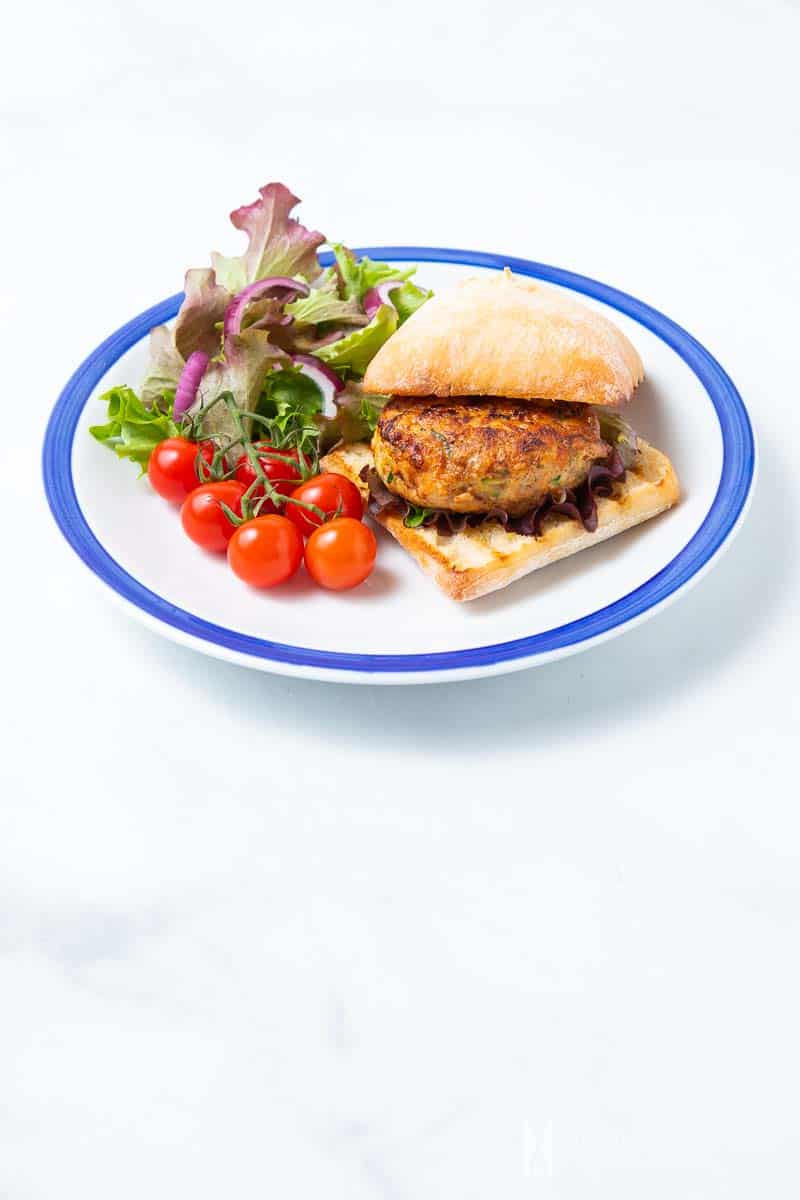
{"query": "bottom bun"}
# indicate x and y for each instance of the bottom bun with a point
(483, 558)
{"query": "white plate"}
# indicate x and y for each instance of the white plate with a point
(398, 628)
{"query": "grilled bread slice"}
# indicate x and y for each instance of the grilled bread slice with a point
(486, 557)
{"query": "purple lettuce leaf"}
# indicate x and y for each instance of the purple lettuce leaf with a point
(277, 243)
(263, 313)
(248, 358)
(164, 369)
(201, 314)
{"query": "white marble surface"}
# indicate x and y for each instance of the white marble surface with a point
(529, 937)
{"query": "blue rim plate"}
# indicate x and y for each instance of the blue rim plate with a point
(721, 522)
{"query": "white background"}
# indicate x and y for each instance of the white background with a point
(529, 937)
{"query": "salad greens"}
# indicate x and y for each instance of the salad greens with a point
(324, 304)
(354, 352)
(615, 430)
(407, 299)
(416, 516)
(356, 417)
(289, 405)
(296, 344)
(133, 430)
(277, 243)
(242, 371)
(359, 275)
(164, 371)
(199, 323)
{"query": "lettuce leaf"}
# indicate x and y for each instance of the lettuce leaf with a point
(348, 272)
(264, 313)
(324, 304)
(615, 430)
(292, 403)
(165, 366)
(356, 417)
(242, 370)
(277, 243)
(416, 516)
(201, 314)
(407, 299)
(197, 328)
(370, 406)
(288, 392)
(354, 352)
(359, 275)
(372, 273)
(132, 430)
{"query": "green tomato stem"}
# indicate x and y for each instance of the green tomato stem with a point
(270, 493)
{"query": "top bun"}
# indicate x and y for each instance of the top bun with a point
(500, 335)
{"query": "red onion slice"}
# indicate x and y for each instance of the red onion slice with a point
(234, 313)
(328, 382)
(379, 295)
(193, 371)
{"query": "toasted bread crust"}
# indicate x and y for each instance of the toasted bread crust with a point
(484, 558)
(502, 335)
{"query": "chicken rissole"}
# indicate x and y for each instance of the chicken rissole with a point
(500, 449)
(476, 456)
(457, 464)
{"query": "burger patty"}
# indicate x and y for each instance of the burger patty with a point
(476, 455)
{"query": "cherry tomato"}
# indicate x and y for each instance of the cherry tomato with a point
(172, 470)
(341, 553)
(283, 473)
(329, 492)
(265, 551)
(204, 520)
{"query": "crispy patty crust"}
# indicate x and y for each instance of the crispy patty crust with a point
(477, 455)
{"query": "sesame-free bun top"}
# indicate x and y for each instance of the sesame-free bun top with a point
(501, 335)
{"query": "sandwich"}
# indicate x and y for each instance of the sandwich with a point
(501, 447)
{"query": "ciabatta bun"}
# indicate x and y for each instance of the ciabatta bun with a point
(503, 335)
(486, 557)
